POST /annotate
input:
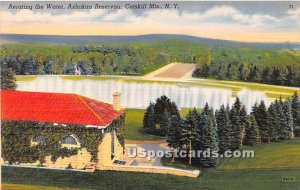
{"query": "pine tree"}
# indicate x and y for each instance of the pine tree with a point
(165, 123)
(174, 136)
(213, 117)
(148, 121)
(236, 129)
(227, 108)
(237, 105)
(273, 122)
(221, 74)
(295, 103)
(283, 129)
(207, 140)
(266, 73)
(224, 131)
(164, 103)
(254, 110)
(288, 128)
(8, 80)
(262, 121)
(252, 132)
(242, 114)
(192, 117)
(243, 121)
(206, 109)
(189, 135)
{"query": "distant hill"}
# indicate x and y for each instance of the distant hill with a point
(57, 39)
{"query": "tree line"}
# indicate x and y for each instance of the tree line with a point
(228, 128)
(223, 62)
(249, 72)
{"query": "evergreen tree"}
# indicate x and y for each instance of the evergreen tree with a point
(243, 72)
(262, 121)
(206, 109)
(192, 117)
(295, 103)
(224, 131)
(27, 67)
(213, 117)
(69, 68)
(164, 103)
(243, 121)
(266, 74)
(49, 67)
(220, 75)
(174, 136)
(207, 140)
(189, 135)
(165, 123)
(204, 71)
(237, 105)
(227, 108)
(236, 129)
(273, 122)
(254, 111)
(288, 128)
(252, 132)
(148, 121)
(283, 129)
(8, 80)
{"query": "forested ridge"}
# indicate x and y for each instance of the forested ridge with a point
(224, 62)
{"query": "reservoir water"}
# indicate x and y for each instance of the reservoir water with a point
(138, 94)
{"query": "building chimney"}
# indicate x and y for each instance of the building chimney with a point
(116, 101)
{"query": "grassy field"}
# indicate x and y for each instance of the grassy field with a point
(210, 179)
(279, 155)
(285, 154)
(134, 125)
(31, 187)
(25, 77)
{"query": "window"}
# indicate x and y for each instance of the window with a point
(40, 139)
(69, 140)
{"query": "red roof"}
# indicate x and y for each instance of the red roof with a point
(56, 108)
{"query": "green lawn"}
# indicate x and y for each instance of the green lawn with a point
(25, 77)
(275, 155)
(284, 154)
(212, 179)
(10, 186)
(134, 125)
(271, 164)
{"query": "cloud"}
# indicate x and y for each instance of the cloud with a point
(214, 15)
(220, 17)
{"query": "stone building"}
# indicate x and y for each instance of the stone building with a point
(62, 109)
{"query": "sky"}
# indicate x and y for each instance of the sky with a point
(239, 21)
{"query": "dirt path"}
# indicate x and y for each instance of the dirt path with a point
(173, 71)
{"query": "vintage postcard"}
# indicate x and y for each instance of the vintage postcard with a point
(150, 95)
